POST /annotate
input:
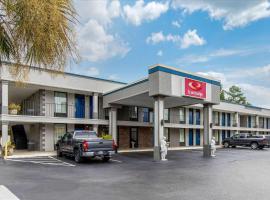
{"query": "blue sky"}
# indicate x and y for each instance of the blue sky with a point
(226, 39)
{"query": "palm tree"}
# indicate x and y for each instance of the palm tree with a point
(37, 32)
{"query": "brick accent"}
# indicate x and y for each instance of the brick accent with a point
(145, 137)
(123, 137)
(174, 137)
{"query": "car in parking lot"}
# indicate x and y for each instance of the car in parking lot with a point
(247, 139)
(85, 144)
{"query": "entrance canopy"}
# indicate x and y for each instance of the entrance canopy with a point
(180, 89)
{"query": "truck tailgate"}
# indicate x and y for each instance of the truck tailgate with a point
(100, 145)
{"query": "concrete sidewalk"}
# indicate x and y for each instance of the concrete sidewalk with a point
(170, 149)
(28, 154)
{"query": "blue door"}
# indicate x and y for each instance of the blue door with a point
(223, 134)
(190, 137)
(198, 117)
(198, 137)
(79, 106)
(91, 107)
(191, 117)
(228, 133)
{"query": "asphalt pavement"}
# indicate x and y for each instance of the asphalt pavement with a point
(238, 173)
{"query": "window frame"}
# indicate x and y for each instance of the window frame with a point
(60, 114)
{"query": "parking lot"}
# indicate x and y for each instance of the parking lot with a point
(238, 173)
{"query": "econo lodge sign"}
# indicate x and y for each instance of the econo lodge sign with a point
(195, 89)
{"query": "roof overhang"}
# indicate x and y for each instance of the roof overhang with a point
(168, 82)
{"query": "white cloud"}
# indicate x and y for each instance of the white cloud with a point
(176, 24)
(96, 44)
(113, 77)
(233, 13)
(160, 37)
(189, 59)
(191, 38)
(140, 11)
(103, 11)
(92, 71)
(253, 81)
(160, 53)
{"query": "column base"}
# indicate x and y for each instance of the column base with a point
(207, 150)
(157, 156)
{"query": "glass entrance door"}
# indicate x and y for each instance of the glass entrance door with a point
(134, 142)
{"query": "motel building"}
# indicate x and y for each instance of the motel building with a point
(184, 107)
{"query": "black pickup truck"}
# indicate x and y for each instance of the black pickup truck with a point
(247, 139)
(85, 144)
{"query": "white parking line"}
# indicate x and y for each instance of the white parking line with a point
(43, 161)
(6, 194)
(113, 160)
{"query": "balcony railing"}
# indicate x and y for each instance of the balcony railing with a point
(55, 110)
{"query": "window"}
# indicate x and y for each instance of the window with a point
(59, 131)
(228, 119)
(216, 118)
(182, 117)
(91, 106)
(106, 113)
(223, 116)
(145, 114)
(166, 115)
(191, 117)
(198, 117)
(182, 137)
(60, 102)
(249, 121)
(133, 113)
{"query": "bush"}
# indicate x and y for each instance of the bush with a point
(107, 137)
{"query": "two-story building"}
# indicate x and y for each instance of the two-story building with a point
(182, 106)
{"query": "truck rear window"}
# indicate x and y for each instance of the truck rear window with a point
(85, 135)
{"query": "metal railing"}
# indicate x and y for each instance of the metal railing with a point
(55, 110)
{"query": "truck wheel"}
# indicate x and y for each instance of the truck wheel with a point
(77, 156)
(254, 145)
(226, 144)
(59, 152)
(106, 159)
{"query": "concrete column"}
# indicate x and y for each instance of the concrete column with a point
(257, 124)
(4, 133)
(4, 97)
(186, 137)
(208, 123)
(187, 115)
(158, 125)
(87, 107)
(95, 104)
(201, 120)
(220, 137)
(113, 123)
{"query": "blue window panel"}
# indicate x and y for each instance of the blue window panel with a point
(91, 107)
(228, 119)
(223, 134)
(198, 117)
(249, 121)
(198, 137)
(267, 121)
(191, 117)
(223, 119)
(145, 114)
(79, 106)
(190, 137)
